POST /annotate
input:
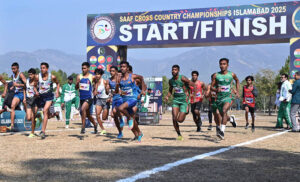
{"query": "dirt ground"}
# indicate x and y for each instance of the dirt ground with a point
(66, 155)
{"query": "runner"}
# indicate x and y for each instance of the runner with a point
(84, 83)
(221, 83)
(127, 84)
(69, 96)
(31, 95)
(101, 99)
(180, 84)
(196, 102)
(249, 94)
(45, 85)
(5, 86)
(116, 100)
(19, 81)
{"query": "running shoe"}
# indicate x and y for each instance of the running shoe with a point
(179, 138)
(31, 135)
(232, 121)
(11, 128)
(95, 129)
(42, 135)
(135, 138)
(130, 124)
(103, 132)
(210, 127)
(121, 122)
(67, 126)
(220, 134)
(82, 131)
(140, 137)
(198, 129)
(253, 128)
(120, 135)
(247, 125)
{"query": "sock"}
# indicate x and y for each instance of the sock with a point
(223, 127)
(67, 122)
(231, 120)
(178, 133)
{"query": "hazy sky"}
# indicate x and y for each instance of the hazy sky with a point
(29, 25)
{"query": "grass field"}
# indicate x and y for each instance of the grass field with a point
(65, 155)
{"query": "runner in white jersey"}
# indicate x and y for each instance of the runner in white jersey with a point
(101, 99)
(19, 81)
(5, 86)
(31, 95)
(45, 85)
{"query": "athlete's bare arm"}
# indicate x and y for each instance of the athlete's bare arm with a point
(77, 82)
(213, 83)
(170, 92)
(191, 84)
(141, 78)
(107, 87)
(54, 80)
(237, 84)
(5, 86)
(207, 92)
(23, 78)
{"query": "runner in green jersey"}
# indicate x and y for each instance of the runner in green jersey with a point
(180, 85)
(221, 83)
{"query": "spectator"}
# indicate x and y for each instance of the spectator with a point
(295, 102)
(285, 103)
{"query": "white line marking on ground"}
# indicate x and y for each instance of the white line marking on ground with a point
(166, 167)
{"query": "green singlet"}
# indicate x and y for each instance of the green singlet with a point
(224, 96)
(180, 99)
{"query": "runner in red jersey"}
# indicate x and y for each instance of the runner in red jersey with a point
(249, 94)
(197, 101)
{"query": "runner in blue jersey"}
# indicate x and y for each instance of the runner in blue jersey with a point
(19, 84)
(127, 84)
(45, 96)
(116, 100)
(84, 83)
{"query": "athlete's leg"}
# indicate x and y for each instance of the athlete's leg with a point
(84, 108)
(175, 112)
(116, 116)
(46, 112)
(14, 104)
(246, 116)
(98, 112)
(90, 117)
(123, 109)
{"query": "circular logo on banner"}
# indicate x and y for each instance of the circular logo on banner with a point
(93, 59)
(103, 29)
(101, 51)
(293, 73)
(101, 59)
(297, 53)
(101, 67)
(296, 19)
(92, 68)
(297, 63)
(109, 59)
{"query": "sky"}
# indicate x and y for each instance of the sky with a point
(29, 25)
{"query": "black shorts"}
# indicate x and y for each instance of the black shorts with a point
(89, 101)
(251, 109)
(31, 102)
(43, 98)
(196, 106)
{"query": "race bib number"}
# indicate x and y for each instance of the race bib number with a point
(45, 87)
(128, 92)
(178, 90)
(198, 94)
(225, 88)
(30, 93)
(84, 86)
(249, 100)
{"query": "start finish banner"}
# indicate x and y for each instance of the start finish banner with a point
(261, 23)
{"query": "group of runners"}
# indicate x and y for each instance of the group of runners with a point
(123, 90)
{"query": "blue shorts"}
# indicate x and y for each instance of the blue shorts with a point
(43, 98)
(131, 103)
(117, 103)
(19, 95)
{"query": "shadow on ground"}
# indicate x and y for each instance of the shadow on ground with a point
(241, 164)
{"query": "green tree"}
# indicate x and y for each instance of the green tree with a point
(266, 85)
(166, 90)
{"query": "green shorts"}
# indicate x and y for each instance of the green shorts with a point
(183, 106)
(214, 107)
(220, 103)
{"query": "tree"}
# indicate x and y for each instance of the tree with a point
(166, 90)
(266, 85)
(284, 69)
